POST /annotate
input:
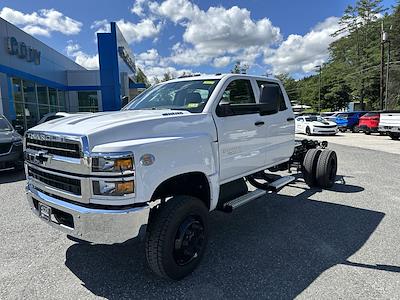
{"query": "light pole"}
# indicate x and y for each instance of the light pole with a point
(384, 40)
(319, 96)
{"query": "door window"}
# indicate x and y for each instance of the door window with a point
(237, 99)
(239, 92)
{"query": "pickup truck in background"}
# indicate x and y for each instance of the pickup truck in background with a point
(349, 120)
(369, 123)
(178, 151)
(389, 123)
(11, 152)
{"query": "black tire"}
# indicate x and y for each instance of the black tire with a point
(308, 131)
(310, 165)
(326, 169)
(355, 129)
(166, 252)
(394, 135)
(342, 129)
(367, 131)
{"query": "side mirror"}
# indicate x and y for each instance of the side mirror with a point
(224, 109)
(268, 101)
(124, 101)
(19, 128)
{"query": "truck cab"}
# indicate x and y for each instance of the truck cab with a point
(176, 152)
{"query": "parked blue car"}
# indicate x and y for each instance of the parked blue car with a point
(349, 120)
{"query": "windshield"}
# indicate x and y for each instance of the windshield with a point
(315, 118)
(4, 125)
(343, 116)
(371, 115)
(182, 95)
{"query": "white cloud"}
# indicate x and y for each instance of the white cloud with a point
(36, 30)
(137, 8)
(302, 53)
(220, 62)
(216, 32)
(133, 32)
(87, 61)
(42, 22)
(158, 72)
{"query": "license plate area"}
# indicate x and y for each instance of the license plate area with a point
(44, 212)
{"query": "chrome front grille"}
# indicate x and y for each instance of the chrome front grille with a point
(66, 149)
(70, 185)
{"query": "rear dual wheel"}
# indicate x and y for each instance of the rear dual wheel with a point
(319, 168)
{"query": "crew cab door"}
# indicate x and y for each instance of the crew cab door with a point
(279, 126)
(241, 130)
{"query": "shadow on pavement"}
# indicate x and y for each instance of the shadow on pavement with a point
(11, 176)
(274, 247)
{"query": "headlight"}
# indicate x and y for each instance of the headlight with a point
(113, 162)
(113, 188)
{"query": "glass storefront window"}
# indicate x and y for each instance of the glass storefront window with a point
(61, 99)
(43, 109)
(88, 101)
(53, 97)
(42, 94)
(17, 89)
(32, 101)
(18, 104)
(31, 114)
(29, 92)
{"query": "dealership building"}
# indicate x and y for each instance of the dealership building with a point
(36, 79)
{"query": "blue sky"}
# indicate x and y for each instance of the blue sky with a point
(193, 36)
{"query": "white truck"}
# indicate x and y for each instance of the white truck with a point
(159, 166)
(389, 123)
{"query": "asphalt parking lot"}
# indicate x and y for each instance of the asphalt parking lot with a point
(339, 243)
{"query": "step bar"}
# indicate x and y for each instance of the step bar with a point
(273, 186)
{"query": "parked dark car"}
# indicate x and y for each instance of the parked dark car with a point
(369, 122)
(11, 149)
(349, 120)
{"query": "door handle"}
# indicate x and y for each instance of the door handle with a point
(259, 123)
(290, 119)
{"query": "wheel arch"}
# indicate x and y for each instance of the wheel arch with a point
(195, 184)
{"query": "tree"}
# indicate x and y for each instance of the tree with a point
(291, 86)
(141, 77)
(239, 68)
(167, 76)
(361, 47)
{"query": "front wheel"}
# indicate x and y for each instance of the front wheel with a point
(177, 237)
(308, 131)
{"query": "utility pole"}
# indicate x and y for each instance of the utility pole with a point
(319, 96)
(382, 66)
(387, 77)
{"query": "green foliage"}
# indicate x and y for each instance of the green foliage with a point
(141, 77)
(239, 68)
(353, 71)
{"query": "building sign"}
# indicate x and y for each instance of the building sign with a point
(124, 54)
(23, 51)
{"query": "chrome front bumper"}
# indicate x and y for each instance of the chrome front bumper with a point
(100, 226)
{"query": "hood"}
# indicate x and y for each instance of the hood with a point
(327, 123)
(106, 127)
(7, 136)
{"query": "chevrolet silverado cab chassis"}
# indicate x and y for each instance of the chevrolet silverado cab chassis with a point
(158, 167)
